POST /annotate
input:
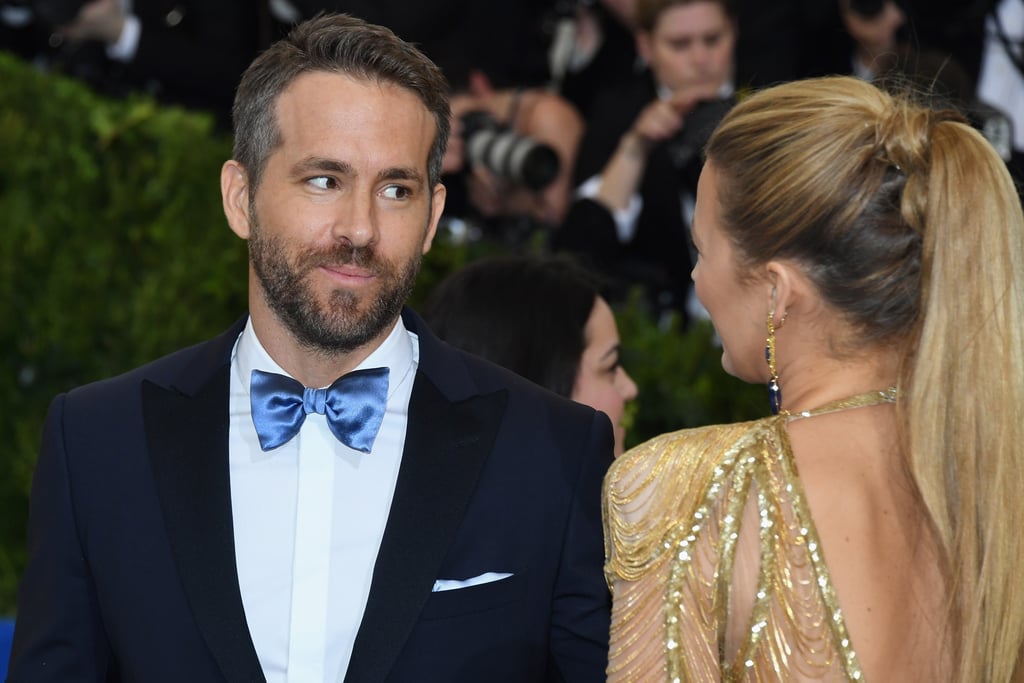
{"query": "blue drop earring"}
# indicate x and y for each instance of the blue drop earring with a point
(774, 390)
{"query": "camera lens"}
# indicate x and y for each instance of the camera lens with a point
(516, 158)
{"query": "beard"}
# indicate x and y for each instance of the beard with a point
(348, 320)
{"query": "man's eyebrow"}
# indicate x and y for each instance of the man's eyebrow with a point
(324, 165)
(320, 164)
(401, 173)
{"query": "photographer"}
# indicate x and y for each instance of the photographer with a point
(187, 53)
(1001, 82)
(874, 26)
(641, 156)
(510, 157)
(883, 53)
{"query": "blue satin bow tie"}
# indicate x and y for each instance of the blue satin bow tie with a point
(354, 406)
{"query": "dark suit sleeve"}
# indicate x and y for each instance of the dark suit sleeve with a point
(588, 229)
(58, 633)
(582, 603)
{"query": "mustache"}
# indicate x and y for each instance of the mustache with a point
(343, 255)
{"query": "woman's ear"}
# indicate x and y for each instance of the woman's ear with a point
(784, 289)
(643, 46)
(234, 192)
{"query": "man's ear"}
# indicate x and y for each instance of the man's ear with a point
(436, 209)
(234, 193)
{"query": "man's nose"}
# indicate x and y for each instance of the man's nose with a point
(356, 220)
(700, 54)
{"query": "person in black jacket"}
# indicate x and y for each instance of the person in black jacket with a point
(183, 52)
(639, 161)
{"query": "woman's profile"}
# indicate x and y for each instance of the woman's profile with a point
(861, 255)
(544, 318)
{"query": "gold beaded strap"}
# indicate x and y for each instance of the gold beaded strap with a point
(870, 398)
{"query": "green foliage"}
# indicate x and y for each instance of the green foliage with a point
(680, 377)
(114, 251)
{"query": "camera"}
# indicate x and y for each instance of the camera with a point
(699, 123)
(512, 157)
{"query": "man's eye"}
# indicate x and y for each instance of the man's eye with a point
(322, 182)
(396, 192)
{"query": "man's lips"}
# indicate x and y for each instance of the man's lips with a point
(348, 272)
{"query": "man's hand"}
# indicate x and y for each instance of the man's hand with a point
(101, 20)
(659, 121)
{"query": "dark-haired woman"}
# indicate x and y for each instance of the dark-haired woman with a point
(542, 317)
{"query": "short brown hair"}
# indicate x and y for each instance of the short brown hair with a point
(646, 13)
(333, 43)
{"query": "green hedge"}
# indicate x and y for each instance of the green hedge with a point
(114, 250)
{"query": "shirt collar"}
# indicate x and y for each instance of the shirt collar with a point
(395, 352)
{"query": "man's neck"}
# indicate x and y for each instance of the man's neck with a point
(312, 366)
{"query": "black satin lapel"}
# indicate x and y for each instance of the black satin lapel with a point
(446, 446)
(187, 437)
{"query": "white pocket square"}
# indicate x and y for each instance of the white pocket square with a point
(455, 584)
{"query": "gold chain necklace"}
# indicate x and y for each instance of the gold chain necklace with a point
(870, 398)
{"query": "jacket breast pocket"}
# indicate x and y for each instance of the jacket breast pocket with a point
(479, 598)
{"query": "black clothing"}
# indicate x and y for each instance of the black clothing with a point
(658, 257)
(190, 53)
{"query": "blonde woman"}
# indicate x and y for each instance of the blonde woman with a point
(861, 255)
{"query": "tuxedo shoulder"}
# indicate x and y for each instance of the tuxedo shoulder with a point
(542, 424)
(489, 376)
(177, 369)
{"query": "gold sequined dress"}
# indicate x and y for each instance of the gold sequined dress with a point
(673, 509)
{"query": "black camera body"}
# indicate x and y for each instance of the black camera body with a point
(699, 124)
(516, 158)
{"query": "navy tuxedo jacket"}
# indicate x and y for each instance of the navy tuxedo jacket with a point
(131, 571)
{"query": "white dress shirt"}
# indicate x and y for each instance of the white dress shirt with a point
(1001, 83)
(127, 44)
(309, 517)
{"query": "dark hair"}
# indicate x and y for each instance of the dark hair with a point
(332, 43)
(646, 13)
(526, 313)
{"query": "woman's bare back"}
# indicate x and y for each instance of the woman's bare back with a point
(876, 541)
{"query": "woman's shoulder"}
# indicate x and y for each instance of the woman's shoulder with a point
(654, 486)
(682, 451)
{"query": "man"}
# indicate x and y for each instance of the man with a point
(200, 518)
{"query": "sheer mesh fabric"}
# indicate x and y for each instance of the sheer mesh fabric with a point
(715, 565)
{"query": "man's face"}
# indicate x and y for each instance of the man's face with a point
(343, 213)
(691, 48)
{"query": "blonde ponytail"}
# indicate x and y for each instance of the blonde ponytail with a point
(964, 393)
(909, 225)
